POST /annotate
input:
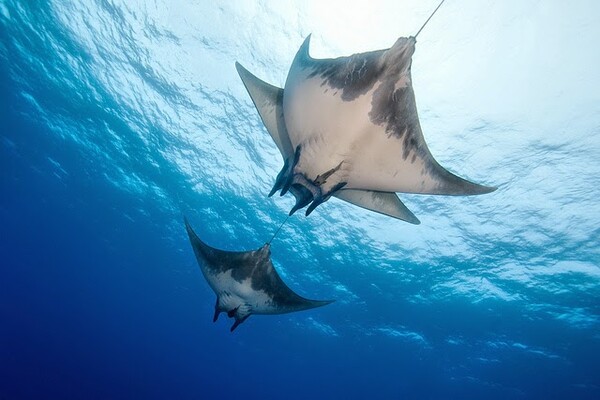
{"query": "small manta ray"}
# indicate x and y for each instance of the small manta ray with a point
(246, 282)
(348, 127)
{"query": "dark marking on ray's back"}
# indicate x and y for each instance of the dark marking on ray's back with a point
(395, 108)
(354, 75)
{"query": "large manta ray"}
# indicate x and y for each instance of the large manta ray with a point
(246, 282)
(348, 127)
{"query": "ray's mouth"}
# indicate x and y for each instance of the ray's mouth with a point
(305, 190)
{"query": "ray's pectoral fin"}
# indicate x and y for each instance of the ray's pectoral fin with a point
(268, 100)
(398, 158)
(445, 182)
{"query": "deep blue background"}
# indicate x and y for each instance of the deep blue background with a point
(100, 295)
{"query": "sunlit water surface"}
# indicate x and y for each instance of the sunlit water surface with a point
(119, 117)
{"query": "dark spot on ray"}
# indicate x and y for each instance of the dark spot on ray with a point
(395, 107)
(257, 267)
(396, 110)
(353, 76)
(393, 103)
(265, 278)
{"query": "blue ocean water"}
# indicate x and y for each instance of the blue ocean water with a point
(119, 117)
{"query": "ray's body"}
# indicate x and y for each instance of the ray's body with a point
(348, 127)
(246, 282)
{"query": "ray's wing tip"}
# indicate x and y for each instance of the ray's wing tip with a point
(411, 219)
(190, 231)
(321, 303)
(415, 221)
(310, 304)
(240, 68)
(468, 188)
(404, 214)
(482, 189)
(408, 216)
(186, 222)
(242, 71)
(304, 49)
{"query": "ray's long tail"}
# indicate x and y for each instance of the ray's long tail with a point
(434, 11)
(278, 229)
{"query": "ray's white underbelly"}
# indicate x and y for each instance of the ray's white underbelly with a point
(329, 129)
(233, 293)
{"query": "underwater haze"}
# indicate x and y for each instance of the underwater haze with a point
(120, 117)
